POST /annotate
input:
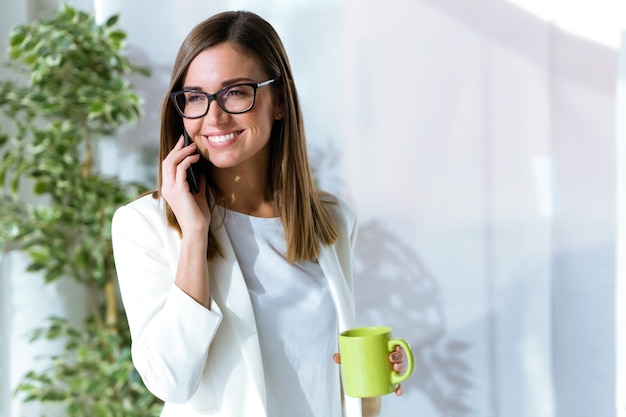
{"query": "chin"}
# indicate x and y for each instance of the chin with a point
(221, 164)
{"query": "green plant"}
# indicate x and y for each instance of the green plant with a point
(70, 89)
(94, 376)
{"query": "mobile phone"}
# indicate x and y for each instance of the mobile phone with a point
(192, 173)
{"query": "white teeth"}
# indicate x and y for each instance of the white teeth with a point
(221, 139)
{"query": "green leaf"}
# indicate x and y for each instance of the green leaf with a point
(54, 396)
(17, 37)
(31, 59)
(68, 12)
(41, 187)
(53, 274)
(39, 255)
(117, 36)
(96, 109)
(30, 398)
(112, 21)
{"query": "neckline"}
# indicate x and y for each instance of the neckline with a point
(236, 217)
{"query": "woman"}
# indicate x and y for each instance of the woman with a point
(251, 331)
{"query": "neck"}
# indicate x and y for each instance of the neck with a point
(245, 191)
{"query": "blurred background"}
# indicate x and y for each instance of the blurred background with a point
(480, 144)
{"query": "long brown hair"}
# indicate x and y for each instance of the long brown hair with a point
(299, 204)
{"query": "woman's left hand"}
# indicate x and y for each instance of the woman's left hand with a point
(398, 359)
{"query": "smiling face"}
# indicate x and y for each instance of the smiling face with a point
(231, 140)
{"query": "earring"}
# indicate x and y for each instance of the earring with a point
(280, 115)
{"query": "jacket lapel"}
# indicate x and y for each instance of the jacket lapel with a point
(344, 304)
(341, 293)
(231, 292)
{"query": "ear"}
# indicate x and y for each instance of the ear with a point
(279, 112)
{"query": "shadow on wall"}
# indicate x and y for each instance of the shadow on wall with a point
(325, 160)
(392, 287)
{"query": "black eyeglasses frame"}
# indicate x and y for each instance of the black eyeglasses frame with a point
(214, 97)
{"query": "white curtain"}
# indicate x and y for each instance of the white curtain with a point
(477, 142)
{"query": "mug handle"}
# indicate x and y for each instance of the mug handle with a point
(396, 378)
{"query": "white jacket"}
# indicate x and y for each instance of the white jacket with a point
(206, 362)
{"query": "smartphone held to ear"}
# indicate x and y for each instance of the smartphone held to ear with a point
(192, 175)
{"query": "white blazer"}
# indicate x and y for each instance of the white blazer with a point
(206, 362)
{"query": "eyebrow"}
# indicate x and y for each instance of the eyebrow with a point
(224, 83)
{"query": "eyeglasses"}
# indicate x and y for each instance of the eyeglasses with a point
(234, 99)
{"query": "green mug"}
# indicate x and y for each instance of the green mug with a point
(365, 367)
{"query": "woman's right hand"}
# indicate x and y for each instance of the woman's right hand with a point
(191, 210)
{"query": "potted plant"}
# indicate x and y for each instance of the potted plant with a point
(70, 89)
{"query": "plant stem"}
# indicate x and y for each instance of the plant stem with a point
(110, 304)
(85, 169)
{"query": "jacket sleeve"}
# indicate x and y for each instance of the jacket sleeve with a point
(346, 221)
(171, 333)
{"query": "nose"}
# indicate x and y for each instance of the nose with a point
(215, 115)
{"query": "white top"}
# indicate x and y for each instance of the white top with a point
(295, 317)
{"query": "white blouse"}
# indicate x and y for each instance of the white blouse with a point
(295, 317)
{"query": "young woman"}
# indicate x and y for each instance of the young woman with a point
(235, 294)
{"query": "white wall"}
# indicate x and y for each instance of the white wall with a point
(476, 140)
(12, 13)
(621, 234)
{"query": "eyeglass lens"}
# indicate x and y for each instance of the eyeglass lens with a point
(234, 99)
